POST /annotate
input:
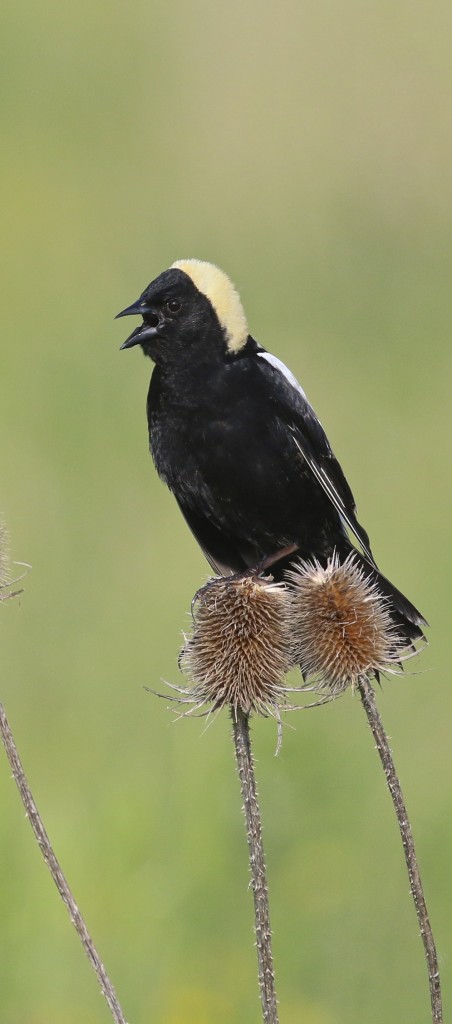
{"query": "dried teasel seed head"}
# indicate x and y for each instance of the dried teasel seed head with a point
(239, 650)
(341, 625)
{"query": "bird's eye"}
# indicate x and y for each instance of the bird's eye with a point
(173, 305)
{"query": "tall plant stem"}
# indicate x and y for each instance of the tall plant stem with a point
(245, 765)
(55, 870)
(417, 892)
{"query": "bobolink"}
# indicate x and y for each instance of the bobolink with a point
(234, 437)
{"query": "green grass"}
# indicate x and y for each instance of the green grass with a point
(307, 151)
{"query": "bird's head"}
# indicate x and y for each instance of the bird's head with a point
(193, 305)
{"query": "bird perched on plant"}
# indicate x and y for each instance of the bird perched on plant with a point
(234, 437)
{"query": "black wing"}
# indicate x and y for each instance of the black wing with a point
(312, 444)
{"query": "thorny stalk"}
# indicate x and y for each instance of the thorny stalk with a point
(245, 765)
(55, 870)
(417, 892)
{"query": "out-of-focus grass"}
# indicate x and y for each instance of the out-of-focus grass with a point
(307, 150)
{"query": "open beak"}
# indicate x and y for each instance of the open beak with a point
(134, 310)
(147, 330)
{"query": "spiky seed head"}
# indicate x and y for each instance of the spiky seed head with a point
(341, 626)
(239, 650)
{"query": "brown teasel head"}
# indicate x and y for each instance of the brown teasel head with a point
(341, 625)
(239, 650)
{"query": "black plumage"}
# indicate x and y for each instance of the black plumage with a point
(234, 437)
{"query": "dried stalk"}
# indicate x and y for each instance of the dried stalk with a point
(417, 892)
(245, 765)
(55, 870)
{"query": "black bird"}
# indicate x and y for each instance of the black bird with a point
(234, 437)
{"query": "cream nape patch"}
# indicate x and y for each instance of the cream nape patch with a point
(223, 296)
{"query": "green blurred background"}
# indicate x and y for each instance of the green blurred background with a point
(307, 149)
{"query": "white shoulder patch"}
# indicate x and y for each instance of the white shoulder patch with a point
(279, 365)
(223, 296)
